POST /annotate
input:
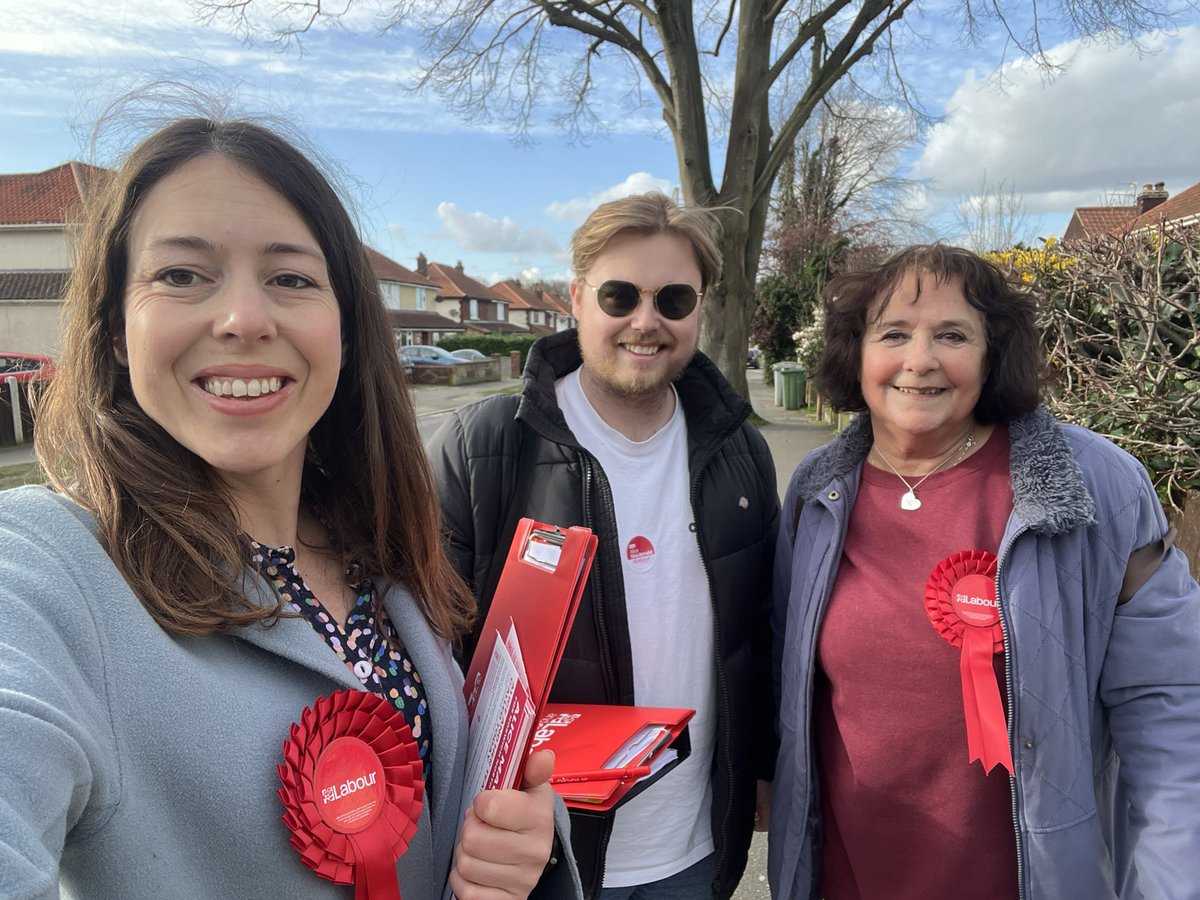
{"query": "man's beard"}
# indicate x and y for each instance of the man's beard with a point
(636, 388)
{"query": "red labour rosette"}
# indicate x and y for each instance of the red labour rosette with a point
(352, 791)
(961, 602)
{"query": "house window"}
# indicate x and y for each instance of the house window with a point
(501, 312)
(420, 298)
(474, 310)
(391, 294)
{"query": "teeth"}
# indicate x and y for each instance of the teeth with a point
(923, 391)
(642, 349)
(238, 387)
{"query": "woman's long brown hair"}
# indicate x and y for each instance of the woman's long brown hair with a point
(163, 516)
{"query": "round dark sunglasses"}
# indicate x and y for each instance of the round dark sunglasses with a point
(621, 298)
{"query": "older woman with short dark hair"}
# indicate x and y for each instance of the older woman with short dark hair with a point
(987, 653)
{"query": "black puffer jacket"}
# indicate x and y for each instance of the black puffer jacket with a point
(475, 456)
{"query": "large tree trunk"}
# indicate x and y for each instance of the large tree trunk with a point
(729, 305)
(724, 326)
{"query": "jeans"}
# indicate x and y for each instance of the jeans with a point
(693, 883)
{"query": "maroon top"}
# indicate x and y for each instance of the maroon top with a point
(904, 814)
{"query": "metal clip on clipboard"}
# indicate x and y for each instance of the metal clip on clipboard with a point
(544, 548)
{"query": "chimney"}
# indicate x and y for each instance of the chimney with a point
(422, 265)
(458, 266)
(1151, 196)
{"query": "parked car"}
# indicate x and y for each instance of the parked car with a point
(753, 357)
(25, 367)
(468, 353)
(424, 355)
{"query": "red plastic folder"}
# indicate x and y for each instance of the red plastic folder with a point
(523, 638)
(636, 744)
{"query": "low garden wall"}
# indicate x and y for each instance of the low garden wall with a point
(463, 373)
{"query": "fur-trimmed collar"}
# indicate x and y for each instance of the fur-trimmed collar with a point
(1049, 494)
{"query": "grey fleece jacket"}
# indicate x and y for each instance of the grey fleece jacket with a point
(139, 765)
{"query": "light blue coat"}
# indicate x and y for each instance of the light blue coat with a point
(1105, 699)
(135, 764)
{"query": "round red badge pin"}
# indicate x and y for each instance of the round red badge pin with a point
(640, 553)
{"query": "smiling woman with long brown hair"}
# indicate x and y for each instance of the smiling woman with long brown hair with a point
(242, 521)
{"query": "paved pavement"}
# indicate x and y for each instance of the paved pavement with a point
(11, 456)
(789, 433)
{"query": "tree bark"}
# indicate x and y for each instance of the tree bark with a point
(476, 43)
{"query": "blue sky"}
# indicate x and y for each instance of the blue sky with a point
(424, 180)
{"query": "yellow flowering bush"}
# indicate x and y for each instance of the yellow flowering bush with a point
(1120, 317)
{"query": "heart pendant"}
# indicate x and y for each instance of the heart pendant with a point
(910, 502)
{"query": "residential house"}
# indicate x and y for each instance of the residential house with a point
(1182, 209)
(562, 310)
(462, 298)
(410, 299)
(526, 307)
(39, 213)
(1154, 205)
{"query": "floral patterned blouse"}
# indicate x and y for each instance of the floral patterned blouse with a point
(367, 643)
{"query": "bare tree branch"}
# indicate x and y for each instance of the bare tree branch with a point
(505, 57)
(992, 219)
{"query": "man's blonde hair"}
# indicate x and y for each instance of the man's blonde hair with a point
(648, 214)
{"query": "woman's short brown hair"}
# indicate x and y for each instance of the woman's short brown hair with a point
(163, 516)
(1016, 360)
(651, 213)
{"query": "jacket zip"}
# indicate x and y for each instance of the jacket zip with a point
(811, 667)
(722, 679)
(588, 463)
(1009, 668)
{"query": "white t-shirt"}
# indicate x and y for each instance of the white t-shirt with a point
(666, 828)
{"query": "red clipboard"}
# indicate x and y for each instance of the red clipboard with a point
(538, 595)
(625, 740)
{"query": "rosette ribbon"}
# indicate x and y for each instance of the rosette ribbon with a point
(961, 602)
(352, 791)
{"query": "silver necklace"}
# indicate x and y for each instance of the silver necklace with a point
(910, 501)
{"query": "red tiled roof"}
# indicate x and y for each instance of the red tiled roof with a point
(518, 297)
(454, 284)
(33, 285)
(53, 197)
(1184, 205)
(386, 269)
(556, 303)
(1092, 221)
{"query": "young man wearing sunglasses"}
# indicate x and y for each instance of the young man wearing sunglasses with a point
(625, 428)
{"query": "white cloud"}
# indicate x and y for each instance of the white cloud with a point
(1113, 116)
(577, 209)
(478, 232)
